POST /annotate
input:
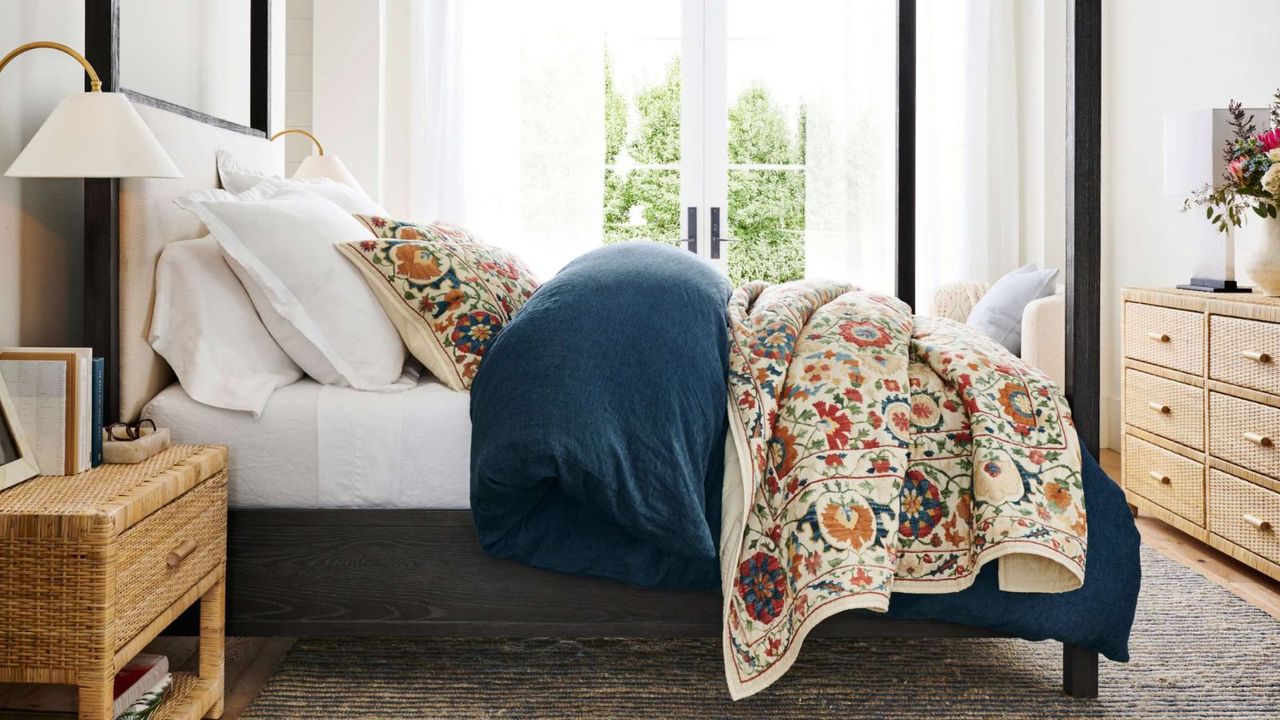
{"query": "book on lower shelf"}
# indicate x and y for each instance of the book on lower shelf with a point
(141, 687)
(53, 391)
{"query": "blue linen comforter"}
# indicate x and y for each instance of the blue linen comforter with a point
(599, 421)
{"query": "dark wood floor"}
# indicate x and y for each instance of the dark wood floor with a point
(252, 661)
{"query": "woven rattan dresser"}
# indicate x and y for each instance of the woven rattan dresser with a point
(1202, 417)
(94, 566)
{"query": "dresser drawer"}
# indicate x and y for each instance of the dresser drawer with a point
(1245, 514)
(1245, 433)
(1165, 407)
(1167, 479)
(1245, 352)
(1164, 336)
(166, 554)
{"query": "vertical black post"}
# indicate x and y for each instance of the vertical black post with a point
(260, 66)
(1084, 216)
(1079, 671)
(905, 257)
(102, 215)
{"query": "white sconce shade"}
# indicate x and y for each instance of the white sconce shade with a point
(93, 135)
(326, 166)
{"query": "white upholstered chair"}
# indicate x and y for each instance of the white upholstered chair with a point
(1043, 323)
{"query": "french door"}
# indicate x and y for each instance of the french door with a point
(761, 139)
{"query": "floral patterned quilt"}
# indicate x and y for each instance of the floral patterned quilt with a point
(880, 452)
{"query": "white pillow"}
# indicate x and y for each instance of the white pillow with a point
(237, 179)
(998, 313)
(205, 326)
(280, 243)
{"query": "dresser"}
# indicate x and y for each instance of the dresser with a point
(1201, 379)
(94, 566)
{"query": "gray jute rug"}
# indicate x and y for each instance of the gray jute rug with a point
(1198, 652)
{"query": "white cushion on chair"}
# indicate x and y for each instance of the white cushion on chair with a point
(998, 314)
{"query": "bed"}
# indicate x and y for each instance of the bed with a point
(306, 557)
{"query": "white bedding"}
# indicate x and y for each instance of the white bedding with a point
(330, 447)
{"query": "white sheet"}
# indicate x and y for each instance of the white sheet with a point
(330, 447)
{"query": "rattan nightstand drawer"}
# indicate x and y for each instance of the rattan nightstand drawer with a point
(1164, 336)
(166, 554)
(1245, 514)
(1245, 352)
(1165, 407)
(1245, 433)
(1165, 478)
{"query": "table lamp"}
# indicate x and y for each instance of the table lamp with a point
(92, 134)
(1193, 143)
(320, 165)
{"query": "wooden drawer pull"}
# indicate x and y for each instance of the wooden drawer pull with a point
(1258, 439)
(1159, 407)
(180, 553)
(1161, 478)
(1256, 521)
(1158, 337)
(1257, 356)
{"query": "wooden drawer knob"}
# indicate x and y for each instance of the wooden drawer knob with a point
(1159, 407)
(1256, 521)
(1158, 337)
(1256, 356)
(1161, 478)
(180, 553)
(1258, 439)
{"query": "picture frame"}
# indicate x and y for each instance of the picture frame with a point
(17, 459)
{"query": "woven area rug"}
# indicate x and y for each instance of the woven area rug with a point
(1198, 652)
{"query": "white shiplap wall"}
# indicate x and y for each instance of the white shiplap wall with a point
(297, 83)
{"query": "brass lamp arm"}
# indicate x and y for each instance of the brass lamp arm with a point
(295, 131)
(95, 83)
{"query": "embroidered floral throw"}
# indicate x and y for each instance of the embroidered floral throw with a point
(881, 453)
(449, 296)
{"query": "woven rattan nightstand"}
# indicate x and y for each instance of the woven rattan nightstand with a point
(94, 566)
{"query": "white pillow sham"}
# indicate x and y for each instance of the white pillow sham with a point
(206, 328)
(237, 179)
(280, 243)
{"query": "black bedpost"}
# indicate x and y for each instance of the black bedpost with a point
(102, 215)
(905, 256)
(1079, 671)
(260, 67)
(1084, 216)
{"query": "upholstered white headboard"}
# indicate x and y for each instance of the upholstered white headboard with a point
(149, 220)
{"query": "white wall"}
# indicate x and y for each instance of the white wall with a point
(1186, 55)
(41, 221)
(347, 94)
(41, 225)
(298, 82)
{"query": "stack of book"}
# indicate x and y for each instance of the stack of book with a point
(57, 393)
(141, 688)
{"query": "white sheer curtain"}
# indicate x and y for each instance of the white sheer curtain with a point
(968, 171)
(496, 122)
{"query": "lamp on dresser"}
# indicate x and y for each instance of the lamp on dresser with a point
(1202, 417)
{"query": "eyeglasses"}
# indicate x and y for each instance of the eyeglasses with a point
(125, 432)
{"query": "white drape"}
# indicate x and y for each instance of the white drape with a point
(496, 122)
(968, 176)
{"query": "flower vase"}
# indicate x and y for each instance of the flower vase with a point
(1264, 266)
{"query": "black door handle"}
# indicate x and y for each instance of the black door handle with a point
(715, 234)
(692, 240)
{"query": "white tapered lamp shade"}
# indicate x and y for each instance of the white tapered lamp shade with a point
(93, 135)
(325, 166)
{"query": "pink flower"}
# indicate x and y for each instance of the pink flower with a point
(1270, 139)
(1236, 169)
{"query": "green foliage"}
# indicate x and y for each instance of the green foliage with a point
(766, 206)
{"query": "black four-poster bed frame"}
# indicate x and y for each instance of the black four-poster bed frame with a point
(307, 573)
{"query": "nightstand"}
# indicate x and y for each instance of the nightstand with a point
(94, 566)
